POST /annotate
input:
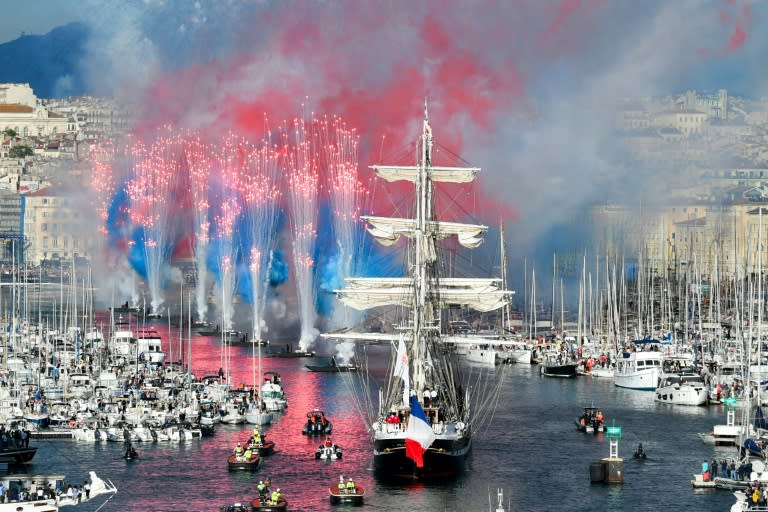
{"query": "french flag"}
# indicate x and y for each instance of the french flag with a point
(419, 435)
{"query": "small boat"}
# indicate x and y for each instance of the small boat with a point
(328, 451)
(354, 495)
(332, 367)
(266, 447)
(17, 455)
(317, 424)
(235, 507)
(266, 504)
(242, 463)
(553, 368)
(681, 389)
(591, 421)
(296, 353)
(639, 453)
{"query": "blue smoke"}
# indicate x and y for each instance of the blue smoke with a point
(278, 271)
(117, 217)
(137, 253)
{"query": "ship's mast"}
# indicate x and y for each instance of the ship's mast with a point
(422, 263)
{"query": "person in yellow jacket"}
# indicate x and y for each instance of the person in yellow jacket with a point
(275, 496)
(342, 485)
(350, 486)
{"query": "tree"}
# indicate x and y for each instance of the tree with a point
(10, 132)
(20, 151)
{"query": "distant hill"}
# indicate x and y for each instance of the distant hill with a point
(48, 63)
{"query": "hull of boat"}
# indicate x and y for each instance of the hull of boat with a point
(17, 455)
(251, 464)
(291, 354)
(559, 370)
(642, 380)
(258, 506)
(332, 368)
(353, 498)
(481, 355)
(30, 506)
(682, 395)
(258, 418)
(518, 356)
(444, 459)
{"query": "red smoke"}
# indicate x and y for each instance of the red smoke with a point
(739, 20)
(373, 64)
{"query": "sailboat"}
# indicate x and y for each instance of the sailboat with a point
(413, 438)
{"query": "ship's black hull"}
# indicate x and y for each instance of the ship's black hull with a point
(443, 460)
(17, 455)
(559, 370)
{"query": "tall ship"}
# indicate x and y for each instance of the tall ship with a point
(423, 423)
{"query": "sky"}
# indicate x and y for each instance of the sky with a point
(525, 89)
(35, 17)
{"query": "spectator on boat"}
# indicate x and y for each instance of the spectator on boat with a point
(724, 468)
(256, 437)
(328, 442)
(262, 490)
(275, 499)
(239, 450)
(734, 474)
(248, 454)
(2, 493)
(87, 489)
(342, 485)
(350, 486)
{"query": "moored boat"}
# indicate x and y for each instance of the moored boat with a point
(638, 370)
(681, 389)
(558, 368)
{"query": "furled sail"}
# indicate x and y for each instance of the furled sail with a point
(411, 173)
(481, 294)
(388, 230)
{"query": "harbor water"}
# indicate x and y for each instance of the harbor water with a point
(529, 447)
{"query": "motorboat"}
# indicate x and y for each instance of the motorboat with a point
(263, 448)
(558, 368)
(332, 367)
(317, 424)
(343, 493)
(591, 421)
(681, 389)
(638, 370)
(271, 393)
(725, 435)
(243, 462)
(328, 451)
(235, 507)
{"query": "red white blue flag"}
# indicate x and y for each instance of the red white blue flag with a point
(419, 435)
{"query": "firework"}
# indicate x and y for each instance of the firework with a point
(301, 163)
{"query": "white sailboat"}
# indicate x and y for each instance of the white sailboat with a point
(434, 436)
